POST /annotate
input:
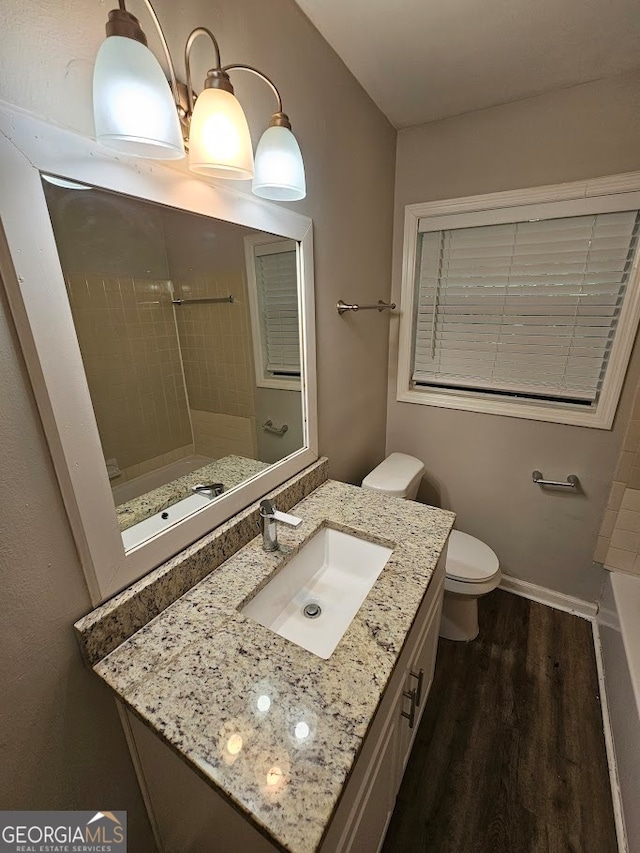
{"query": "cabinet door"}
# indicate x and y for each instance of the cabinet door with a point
(420, 674)
(424, 662)
(372, 813)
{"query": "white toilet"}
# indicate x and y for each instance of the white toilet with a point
(472, 567)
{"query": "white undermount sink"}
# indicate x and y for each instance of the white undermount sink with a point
(313, 598)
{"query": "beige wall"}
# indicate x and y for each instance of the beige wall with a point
(280, 407)
(480, 465)
(61, 744)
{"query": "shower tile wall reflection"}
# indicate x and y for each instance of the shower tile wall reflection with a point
(215, 338)
(216, 345)
(130, 348)
(216, 354)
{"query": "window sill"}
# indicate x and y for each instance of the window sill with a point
(282, 384)
(600, 417)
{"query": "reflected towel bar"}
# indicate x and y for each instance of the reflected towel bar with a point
(203, 299)
(268, 426)
(342, 306)
(572, 481)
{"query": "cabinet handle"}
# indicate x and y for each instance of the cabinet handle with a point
(420, 678)
(411, 716)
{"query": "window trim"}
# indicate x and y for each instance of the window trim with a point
(284, 383)
(610, 193)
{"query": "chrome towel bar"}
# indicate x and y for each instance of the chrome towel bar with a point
(202, 300)
(342, 306)
(572, 481)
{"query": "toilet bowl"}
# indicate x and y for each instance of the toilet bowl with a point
(472, 568)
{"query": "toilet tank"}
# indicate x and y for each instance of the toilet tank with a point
(399, 475)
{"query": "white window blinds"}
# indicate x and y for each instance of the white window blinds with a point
(277, 286)
(524, 309)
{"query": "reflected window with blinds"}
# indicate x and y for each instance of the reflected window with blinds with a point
(522, 310)
(272, 272)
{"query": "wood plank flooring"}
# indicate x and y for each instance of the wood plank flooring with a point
(510, 754)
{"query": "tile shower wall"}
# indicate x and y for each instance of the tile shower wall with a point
(618, 545)
(130, 349)
(208, 262)
(216, 344)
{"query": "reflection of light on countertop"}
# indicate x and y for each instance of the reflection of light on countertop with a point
(301, 725)
(272, 773)
(232, 739)
(301, 730)
(263, 699)
(274, 776)
(234, 744)
(264, 703)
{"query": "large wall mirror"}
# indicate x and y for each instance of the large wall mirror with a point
(168, 329)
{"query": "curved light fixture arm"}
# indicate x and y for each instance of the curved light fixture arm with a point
(259, 74)
(199, 31)
(279, 118)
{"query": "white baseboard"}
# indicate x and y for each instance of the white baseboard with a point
(616, 796)
(558, 600)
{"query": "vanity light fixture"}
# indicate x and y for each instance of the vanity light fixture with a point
(137, 112)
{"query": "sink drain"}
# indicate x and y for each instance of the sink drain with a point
(312, 611)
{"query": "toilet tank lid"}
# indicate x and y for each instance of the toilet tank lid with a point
(395, 475)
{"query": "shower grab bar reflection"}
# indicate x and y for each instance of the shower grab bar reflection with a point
(342, 306)
(268, 426)
(203, 299)
(572, 481)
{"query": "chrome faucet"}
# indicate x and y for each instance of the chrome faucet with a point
(269, 518)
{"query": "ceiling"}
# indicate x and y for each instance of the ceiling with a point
(422, 60)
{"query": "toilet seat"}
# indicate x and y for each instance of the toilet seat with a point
(469, 560)
(472, 570)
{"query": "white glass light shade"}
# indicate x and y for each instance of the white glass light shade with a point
(219, 139)
(279, 169)
(133, 106)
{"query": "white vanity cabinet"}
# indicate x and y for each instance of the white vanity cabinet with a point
(365, 810)
(190, 817)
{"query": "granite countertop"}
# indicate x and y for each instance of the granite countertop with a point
(230, 471)
(228, 695)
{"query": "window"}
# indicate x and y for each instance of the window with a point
(272, 272)
(528, 310)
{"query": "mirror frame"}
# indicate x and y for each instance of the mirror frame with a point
(32, 275)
